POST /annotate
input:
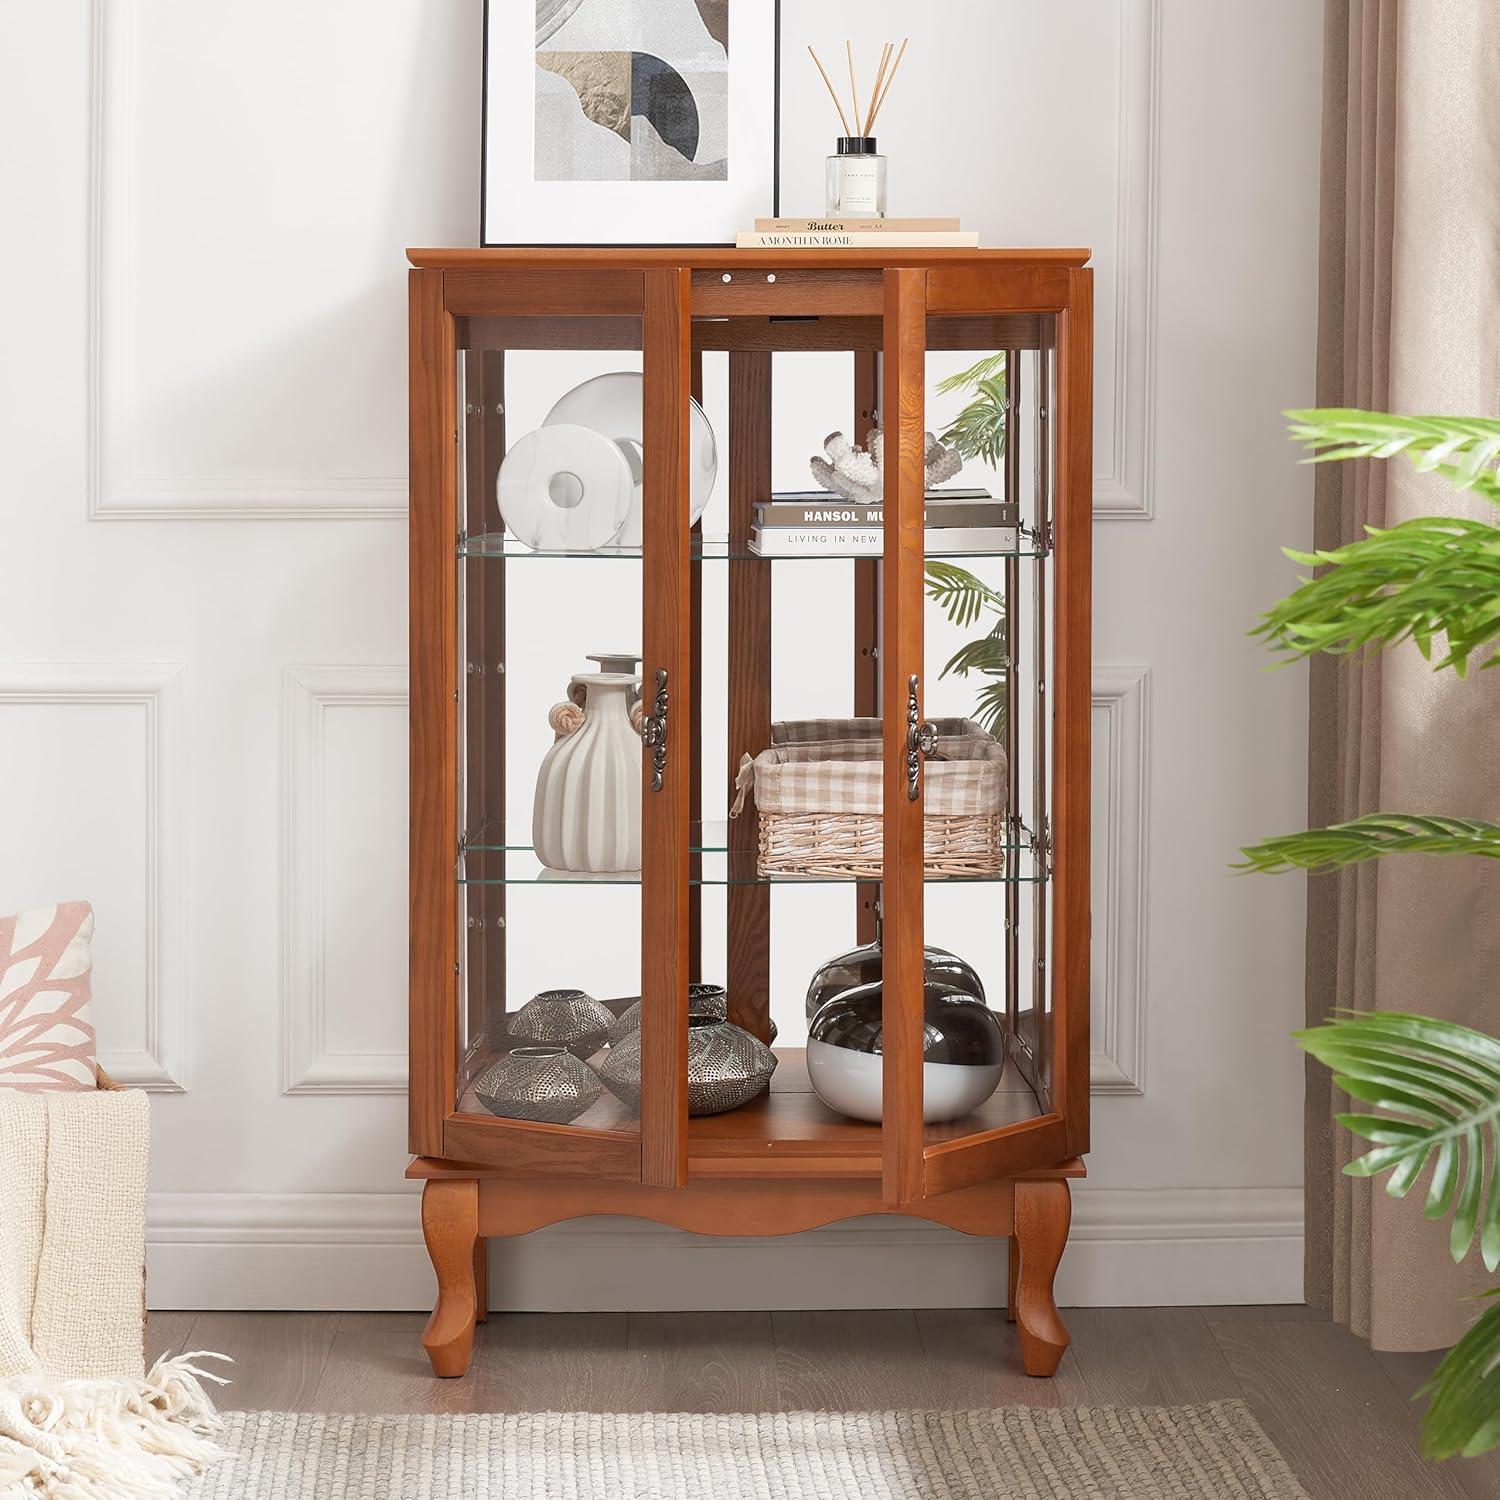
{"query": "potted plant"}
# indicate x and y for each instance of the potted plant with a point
(1431, 1088)
(978, 431)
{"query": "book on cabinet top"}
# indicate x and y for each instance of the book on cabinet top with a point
(850, 239)
(832, 223)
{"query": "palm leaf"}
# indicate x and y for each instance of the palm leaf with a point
(1437, 1087)
(986, 655)
(1423, 578)
(978, 431)
(981, 369)
(989, 708)
(1463, 449)
(1463, 1417)
(1321, 850)
(959, 593)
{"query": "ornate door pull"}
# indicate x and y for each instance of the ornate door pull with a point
(654, 731)
(921, 740)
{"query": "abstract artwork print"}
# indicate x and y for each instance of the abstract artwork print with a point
(632, 91)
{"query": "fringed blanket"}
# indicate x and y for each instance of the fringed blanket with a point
(80, 1419)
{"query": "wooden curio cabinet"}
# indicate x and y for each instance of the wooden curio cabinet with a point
(780, 348)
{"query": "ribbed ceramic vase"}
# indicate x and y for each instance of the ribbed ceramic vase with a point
(587, 813)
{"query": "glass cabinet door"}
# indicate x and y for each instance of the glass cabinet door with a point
(571, 611)
(986, 1042)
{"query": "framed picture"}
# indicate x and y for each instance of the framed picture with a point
(627, 122)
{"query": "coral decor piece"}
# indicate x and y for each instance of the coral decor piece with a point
(858, 474)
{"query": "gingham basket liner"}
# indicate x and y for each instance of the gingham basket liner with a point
(835, 771)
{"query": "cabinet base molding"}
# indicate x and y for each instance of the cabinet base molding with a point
(462, 1209)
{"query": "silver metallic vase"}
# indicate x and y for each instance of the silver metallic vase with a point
(565, 1018)
(727, 1067)
(538, 1083)
(704, 1000)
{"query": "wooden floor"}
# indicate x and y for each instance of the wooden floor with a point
(1341, 1415)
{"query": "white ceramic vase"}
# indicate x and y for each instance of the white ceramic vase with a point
(587, 813)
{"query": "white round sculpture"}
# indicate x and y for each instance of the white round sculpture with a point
(587, 812)
(565, 489)
(614, 405)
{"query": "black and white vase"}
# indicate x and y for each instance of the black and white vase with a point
(963, 1052)
(864, 965)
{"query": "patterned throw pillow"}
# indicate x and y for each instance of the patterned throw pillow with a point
(46, 1036)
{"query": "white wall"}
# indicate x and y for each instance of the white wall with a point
(202, 604)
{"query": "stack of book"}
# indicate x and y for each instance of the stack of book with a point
(811, 523)
(857, 233)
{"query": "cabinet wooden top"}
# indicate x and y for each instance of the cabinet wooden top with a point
(716, 257)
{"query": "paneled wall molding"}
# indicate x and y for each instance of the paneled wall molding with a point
(1129, 1247)
(310, 1065)
(117, 488)
(1125, 491)
(1121, 705)
(152, 692)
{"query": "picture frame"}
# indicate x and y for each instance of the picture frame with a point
(644, 121)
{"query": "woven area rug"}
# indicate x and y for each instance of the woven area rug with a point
(1083, 1453)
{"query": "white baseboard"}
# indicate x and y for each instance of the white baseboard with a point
(1129, 1248)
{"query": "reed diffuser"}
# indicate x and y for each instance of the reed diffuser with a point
(856, 170)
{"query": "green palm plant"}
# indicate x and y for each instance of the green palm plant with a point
(968, 600)
(1433, 1086)
(978, 431)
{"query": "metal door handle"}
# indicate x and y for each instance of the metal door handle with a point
(921, 740)
(654, 731)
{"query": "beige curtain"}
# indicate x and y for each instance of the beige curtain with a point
(1409, 316)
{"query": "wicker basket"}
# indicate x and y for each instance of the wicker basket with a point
(819, 797)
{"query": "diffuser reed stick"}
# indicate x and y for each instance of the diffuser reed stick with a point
(885, 58)
(831, 93)
(890, 79)
(853, 87)
(885, 75)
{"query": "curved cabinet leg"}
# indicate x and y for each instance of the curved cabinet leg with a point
(1044, 1209)
(450, 1225)
(482, 1280)
(1012, 1267)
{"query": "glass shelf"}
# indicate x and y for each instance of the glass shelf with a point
(710, 862)
(713, 549)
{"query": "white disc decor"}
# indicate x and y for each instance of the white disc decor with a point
(614, 405)
(565, 488)
(587, 812)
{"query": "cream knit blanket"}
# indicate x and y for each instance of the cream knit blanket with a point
(79, 1417)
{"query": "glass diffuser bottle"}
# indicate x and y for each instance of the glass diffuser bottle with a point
(856, 179)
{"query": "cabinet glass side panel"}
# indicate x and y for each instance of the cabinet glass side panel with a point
(982, 724)
(549, 705)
